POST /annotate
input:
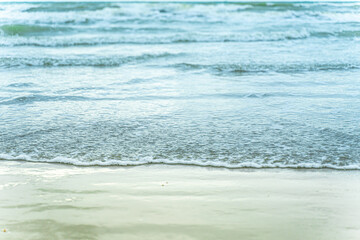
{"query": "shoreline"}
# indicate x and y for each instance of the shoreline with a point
(57, 201)
(246, 165)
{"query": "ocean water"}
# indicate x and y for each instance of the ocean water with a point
(212, 84)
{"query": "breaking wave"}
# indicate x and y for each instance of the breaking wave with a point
(240, 6)
(23, 35)
(200, 163)
(67, 6)
(28, 30)
(240, 69)
(84, 61)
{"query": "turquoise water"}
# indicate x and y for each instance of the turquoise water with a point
(215, 84)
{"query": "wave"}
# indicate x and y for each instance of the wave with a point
(35, 36)
(28, 99)
(196, 16)
(200, 163)
(165, 13)
(42, 98)
(85, 61)
(21, 85)
(146, 39)
(28, 30)
(69, 6)
(247, 6)
(32, 98)
(241, 69)
(349, 34)
(70, 41)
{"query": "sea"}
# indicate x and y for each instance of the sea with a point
(216, 84)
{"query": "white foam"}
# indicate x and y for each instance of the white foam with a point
(149, 160)
(110, 39)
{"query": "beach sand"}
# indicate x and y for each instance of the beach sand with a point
(54, 201)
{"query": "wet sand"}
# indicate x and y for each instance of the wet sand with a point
(54, 201)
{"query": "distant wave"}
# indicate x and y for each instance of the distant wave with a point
(136, 38)
(240, 69)
(84, 61)
(32, 98)
(200, 163)
(25, 30)
(229, 13)
(28, 30)
(248, 6)
(69, 6)
(19, 35)
(42, 98)
(21, 85)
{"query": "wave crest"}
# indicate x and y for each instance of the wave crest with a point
(240, 69)
(9, 62)
(200, 163)
(25, 35)
(70, 6)
(28, 30)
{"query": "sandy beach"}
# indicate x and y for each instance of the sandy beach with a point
(54, 201)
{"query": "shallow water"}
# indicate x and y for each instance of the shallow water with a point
(216, 84)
